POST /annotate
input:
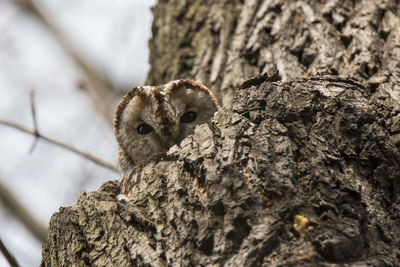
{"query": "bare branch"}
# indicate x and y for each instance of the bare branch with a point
(10, 258)
(100, 88)
(35, 124)
(60, 144)
(16, 209)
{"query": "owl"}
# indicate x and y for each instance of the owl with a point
(151, 119)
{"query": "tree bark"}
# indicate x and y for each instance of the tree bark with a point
(322, 142)
(222, 43)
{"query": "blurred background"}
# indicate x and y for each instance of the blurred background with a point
(78, 57)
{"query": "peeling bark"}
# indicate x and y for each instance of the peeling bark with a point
(323, 146)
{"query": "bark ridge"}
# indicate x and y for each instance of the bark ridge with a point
(320, 147)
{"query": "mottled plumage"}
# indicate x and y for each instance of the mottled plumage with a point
(151, 119)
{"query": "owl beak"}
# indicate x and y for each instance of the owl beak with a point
(174, 140)
(171, 143)
(169, 139)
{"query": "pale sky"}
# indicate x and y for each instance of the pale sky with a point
(113, 36)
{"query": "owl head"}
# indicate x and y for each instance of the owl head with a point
(151, 119)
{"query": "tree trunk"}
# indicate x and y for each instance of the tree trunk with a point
(222, 43)
(323, 142)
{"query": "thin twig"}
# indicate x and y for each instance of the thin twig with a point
(10, 258)
(35, 124)
(100, 88)
(60, 144)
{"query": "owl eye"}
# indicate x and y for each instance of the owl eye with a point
(144, 129)
(189, 117)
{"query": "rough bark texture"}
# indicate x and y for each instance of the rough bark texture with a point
(324, 146)
(222, 43)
